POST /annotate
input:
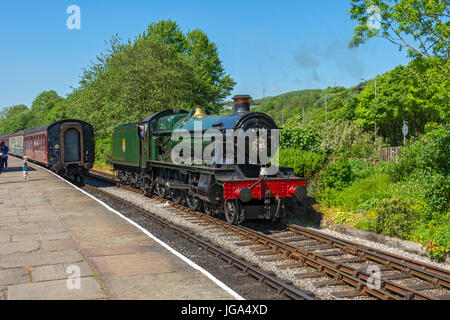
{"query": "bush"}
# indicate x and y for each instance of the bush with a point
(432, 188)
(431, 153)
(302, 139)
(103, 151)
(360, 169)
(304, 163)
(362, 195)
(438, 245)
(337, 175)
(346, 138)
(396, 217)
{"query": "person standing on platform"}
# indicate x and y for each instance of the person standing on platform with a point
(5, 155)
(1, 156)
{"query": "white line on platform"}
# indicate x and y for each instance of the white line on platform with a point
(165, 245)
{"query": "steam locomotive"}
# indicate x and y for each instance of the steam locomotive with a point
(233, 181)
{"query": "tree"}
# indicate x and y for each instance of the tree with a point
(421, 26)
(14, 118)
(213, 84)
(42, 106)
(403, 96)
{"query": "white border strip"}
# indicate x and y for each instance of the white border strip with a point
(165, 245)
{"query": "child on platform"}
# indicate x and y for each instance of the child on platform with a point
(25, 168)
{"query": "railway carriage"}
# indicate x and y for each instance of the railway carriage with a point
(66, 146)
(16, 143)
(142, 157)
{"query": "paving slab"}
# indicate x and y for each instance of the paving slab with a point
(112, 251)
(39, 258)
(41, 236)
(14, 276)
(58, 245)
(56, 290)
(190, 285)
(48, 272)
(137, 264)
(5, 238)
(18, 247)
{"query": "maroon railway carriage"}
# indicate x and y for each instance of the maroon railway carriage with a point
(65, 146)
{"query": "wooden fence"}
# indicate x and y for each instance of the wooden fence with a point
(390, 154)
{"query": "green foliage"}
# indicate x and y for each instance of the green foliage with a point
(361, 195)
(337, 175)
(431, 153)
(417, 93)
(14, 118)
(103, 150)
(347, 139)
(396, 217)
(302, 139)
(304, 163)
(421, 26)
(438, 245)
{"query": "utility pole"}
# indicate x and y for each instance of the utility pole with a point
(326, 108)
(303, 117)
(375, 111)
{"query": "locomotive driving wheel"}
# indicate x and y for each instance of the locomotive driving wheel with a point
(233, 211)
(160, 190)
(208, 208)
(177, 196)
(193, 202)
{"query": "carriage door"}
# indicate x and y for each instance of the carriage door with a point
(71, 143)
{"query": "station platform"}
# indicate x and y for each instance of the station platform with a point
(50, 233)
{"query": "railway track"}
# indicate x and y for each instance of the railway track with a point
(264, 279)
(366, 270)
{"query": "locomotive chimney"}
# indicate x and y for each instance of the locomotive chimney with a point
(241, 104)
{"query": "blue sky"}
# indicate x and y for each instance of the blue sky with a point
(276, 46)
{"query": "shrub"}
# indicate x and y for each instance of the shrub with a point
(103, 151)
(432, 188)
(431, 153)
(344, 217)
(304, 163)
(360, 169)
(396, 217)
(438, 246)
(337, 175)
(362, 195)
(347, 138)
(299, 138)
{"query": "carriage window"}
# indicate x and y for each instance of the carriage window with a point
(71, 145)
